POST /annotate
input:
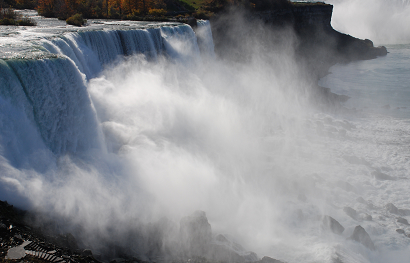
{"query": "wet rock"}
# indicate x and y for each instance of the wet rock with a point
(392, 208)
(402, 220)
(222, 250)
(360, 235)
(404, 212)
(350, 212)
(87, 252)
(192, 22)
(400, 231)
(3, 227)
(223, 254)
(269, 260)
(333, 225)
(382, 176)
(196, 233)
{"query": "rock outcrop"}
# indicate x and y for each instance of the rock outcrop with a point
(360, 235)
(318, 46)
(329, 223)
(197, 242)
(195, 233)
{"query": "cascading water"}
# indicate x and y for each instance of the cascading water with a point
(110, 130)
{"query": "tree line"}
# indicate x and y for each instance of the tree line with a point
(64, 9)
(135, 9)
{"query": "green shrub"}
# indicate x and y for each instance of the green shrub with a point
(9, 17)
(7, 22)
(76, 20)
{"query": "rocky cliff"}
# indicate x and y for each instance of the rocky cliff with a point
(315, 41)
(302, 30)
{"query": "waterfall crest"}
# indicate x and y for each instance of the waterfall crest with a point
(53, 91)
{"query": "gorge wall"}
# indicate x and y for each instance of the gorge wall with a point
(316, 43)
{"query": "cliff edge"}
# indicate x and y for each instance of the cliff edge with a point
(315, 41)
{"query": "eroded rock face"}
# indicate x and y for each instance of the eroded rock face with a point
(197, 242)
(360, 235)
(333, 225)
(195, 233)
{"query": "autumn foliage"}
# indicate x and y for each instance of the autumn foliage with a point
(64, 9)
(137, 9)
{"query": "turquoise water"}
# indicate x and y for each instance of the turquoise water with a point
(378, 86)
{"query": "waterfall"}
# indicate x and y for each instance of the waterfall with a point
(92, 50)
(53, 91)
(60, 104)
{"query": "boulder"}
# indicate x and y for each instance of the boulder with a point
(382, 176)
(402, 220)
(350, 212)
(360, 235)
(392, 208)
(400, 231)
(404, 212)
(333, 225)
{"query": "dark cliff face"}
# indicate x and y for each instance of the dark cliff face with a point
(301, 16)
(314, 40)
(313, 15)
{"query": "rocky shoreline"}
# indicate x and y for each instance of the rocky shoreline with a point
(22, 240)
